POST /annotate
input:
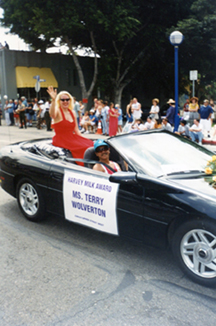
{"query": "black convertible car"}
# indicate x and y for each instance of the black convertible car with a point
(162, 196)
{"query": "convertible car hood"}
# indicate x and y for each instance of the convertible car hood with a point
(201, 185)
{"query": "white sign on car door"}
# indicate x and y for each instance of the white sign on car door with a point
(91, 201)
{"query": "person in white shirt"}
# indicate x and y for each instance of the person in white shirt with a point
(149, 124)
(196, 131)
(47, 115)
(136, 109)
(154, 109)
(40, 113)
(166, 125)
(136, 126)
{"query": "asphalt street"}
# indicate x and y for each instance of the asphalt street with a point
(57, 273)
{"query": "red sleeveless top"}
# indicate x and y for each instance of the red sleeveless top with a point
(65, 137)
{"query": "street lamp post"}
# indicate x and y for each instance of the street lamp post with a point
(176, 39)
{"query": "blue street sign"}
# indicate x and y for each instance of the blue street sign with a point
(37, 77)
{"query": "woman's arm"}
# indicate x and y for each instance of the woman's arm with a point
(76, 129)
(112, 113)
(127, 109)
(53, 109)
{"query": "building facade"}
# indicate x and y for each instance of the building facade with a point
(19, 71)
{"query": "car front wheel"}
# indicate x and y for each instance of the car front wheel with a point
(194, 246)
(30, 200)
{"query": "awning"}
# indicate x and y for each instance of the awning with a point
(24, 77)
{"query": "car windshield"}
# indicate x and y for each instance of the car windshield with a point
(160, 153)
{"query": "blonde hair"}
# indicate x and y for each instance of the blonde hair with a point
(58, 97)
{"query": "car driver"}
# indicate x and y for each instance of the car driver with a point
(102, 151)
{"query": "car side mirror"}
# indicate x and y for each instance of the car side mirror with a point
(123, 177)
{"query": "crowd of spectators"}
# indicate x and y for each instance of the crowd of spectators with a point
(23, 113)
(102, 118)
(195, 122)
(107, 118)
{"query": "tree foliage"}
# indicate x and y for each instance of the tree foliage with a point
(199, 46)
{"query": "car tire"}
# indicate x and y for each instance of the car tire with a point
(194, 247)
(30, 200)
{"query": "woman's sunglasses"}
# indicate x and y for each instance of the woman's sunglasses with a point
(65, 99)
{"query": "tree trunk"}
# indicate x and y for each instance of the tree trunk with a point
(118, 93)
(121, 82)
(85, 94)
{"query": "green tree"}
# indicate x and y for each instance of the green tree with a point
(131, 38)
(199, 46)
(87, 23)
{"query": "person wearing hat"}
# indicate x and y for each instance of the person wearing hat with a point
(193, 109)
(154, 109)
(205, 113)
(102, 151)
(170, 115)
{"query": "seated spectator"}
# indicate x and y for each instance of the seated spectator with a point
(149, 124)
(102, 151)
(157, 124)
(183, 129)
(84, 119)
(136, 125)
(196, 131)
(166, 125)
(91, 123)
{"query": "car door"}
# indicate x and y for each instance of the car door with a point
(146, 206)
(130, 205)
(90, 198)
(161, 207)
(83, 196)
